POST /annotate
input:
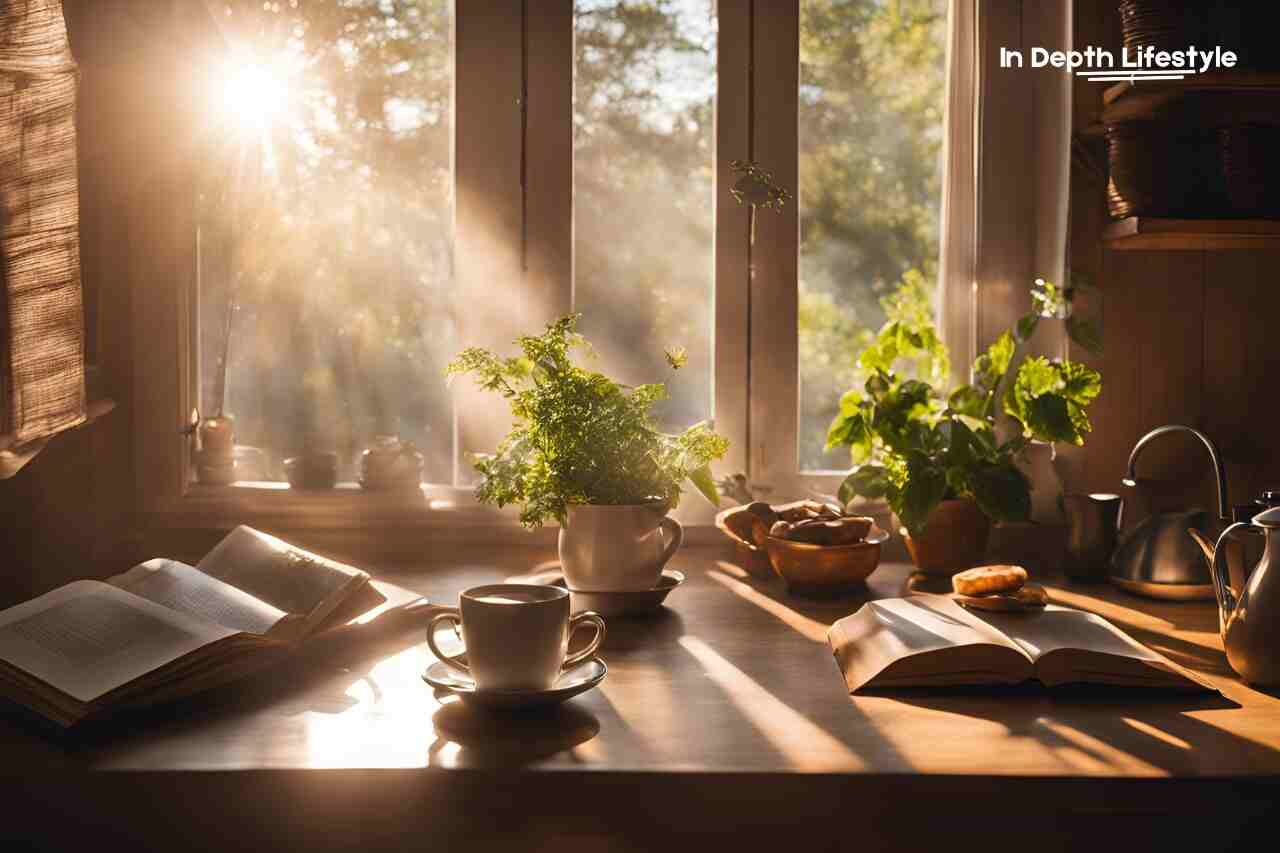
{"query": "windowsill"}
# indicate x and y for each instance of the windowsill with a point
(449, 514)
(345, 505)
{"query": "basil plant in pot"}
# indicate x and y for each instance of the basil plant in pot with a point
(943, 461)
(585, 451)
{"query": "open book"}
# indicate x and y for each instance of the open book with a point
(930, 641)
(165, 629)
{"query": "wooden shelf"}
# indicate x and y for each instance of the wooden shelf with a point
(1140, 232)
(1214, 81)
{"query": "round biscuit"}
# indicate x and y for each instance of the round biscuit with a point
(986, 580)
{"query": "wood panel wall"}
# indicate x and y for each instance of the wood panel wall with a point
(1187, 339)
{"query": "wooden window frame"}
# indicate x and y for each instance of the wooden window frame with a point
(513, 85)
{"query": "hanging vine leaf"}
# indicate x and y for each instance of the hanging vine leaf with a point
(1085, 334)
(755, 186)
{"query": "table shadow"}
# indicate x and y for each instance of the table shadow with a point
(1151, 726)
(509, 738)
(629, 632)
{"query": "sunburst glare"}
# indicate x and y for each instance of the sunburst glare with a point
(252, 96)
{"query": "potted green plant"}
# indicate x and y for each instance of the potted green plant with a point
(585, 450)
(939, 459)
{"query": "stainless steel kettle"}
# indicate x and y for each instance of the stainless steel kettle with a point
(1157, 558)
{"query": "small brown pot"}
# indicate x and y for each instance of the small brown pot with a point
(955, 538)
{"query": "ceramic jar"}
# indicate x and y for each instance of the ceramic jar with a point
(391, 464)
(617, 548)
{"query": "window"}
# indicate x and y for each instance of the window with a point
(870, 146)
(644, 192)
(580, 153)
(326, 232)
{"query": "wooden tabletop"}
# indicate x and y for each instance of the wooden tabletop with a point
(733, 679)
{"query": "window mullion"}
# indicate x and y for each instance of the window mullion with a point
(731, 376)
(548, 156)
(774, 382)
(491, 305)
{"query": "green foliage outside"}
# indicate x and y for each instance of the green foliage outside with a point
(330, 228)
(915, 445)
(872, 76)
(644, 174)
(333, 234)
(579, 437)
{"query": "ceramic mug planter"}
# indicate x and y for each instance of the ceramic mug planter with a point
(617, 548)
(955, 538)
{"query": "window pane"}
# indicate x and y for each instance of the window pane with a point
(644, 148)
(326, 222)
(871, 100)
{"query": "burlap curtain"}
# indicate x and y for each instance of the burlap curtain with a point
(42, 387)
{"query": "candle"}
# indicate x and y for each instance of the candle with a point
(217, 437)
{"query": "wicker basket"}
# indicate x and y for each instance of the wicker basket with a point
(1164, 24)
(1163, 169)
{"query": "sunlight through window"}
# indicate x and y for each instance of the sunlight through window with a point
(252, 95)
(810, 629)
(326, 269)
(805, 745)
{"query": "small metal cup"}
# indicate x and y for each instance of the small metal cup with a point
(1093, 527)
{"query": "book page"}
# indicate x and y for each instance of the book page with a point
(185, 589)
(88, 638)
(288, 578)
(1058, 627)
(1075, 646)
(922, 639)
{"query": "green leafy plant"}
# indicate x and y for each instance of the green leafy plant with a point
(579, 437)
(915, 446)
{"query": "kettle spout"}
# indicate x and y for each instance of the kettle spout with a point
(1218, 556)
(1219, 471)
(1219, 574)
(1205, 545)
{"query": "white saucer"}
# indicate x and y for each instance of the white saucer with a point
(610, 603)
(571, 682)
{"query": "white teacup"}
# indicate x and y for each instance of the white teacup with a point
(516, 635)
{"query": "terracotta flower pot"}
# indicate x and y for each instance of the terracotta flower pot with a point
(955, 538)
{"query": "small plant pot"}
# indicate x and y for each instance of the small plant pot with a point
(955, 538)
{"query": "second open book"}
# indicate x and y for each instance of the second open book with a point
(165, 629)
(930, 641)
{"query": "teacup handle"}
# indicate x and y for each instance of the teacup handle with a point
(577, 620)
(453, 616)
(675, 536)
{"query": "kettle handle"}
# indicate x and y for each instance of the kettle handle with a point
(1218, 572)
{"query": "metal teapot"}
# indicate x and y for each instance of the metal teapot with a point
(1250, 621)
(1157, 558)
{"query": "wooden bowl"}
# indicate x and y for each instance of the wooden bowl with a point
(735, 524)
(825, 570)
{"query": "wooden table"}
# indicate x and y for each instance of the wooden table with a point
(724, 711)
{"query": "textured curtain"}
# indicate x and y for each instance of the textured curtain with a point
(42, 341)
(959, 220)
(1004, 203)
